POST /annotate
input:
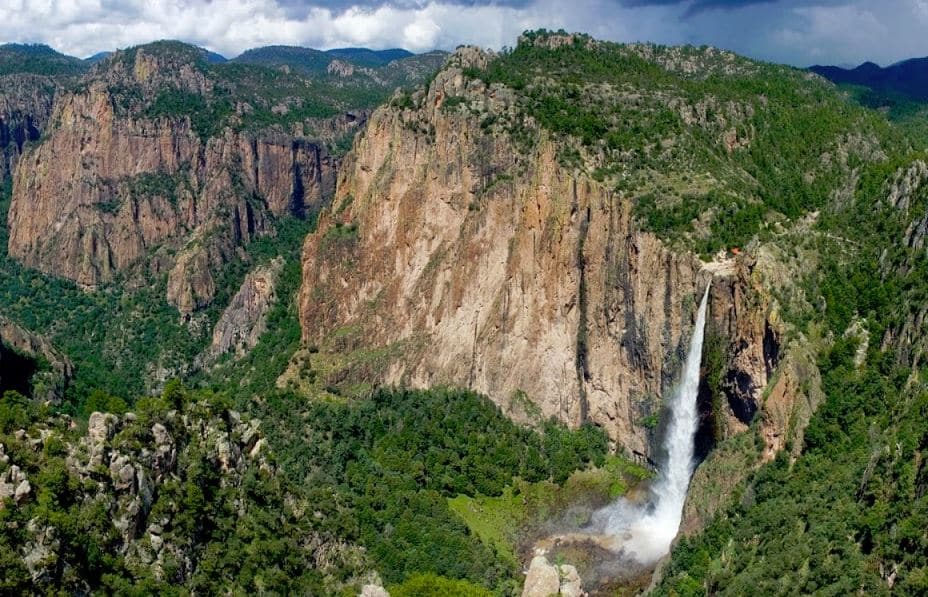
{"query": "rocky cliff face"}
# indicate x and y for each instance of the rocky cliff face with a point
(906, 192)
(467, 261)
(245, 319)
(130, 166)
(25, 107)
(751, 375)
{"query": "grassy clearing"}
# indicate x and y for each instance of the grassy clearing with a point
(505, 522)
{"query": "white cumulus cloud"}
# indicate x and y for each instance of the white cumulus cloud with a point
(795, 31)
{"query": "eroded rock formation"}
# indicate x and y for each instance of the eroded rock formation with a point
(245, 319)
(119, 175)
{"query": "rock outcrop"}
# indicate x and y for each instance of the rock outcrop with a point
(133, 164)
(907, 193)
(373, 590)
(544, 579)
(129, 472)
(13, 484)
(245, 319)
(744, 318)
(755, 377)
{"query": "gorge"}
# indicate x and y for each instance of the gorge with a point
(287, 330)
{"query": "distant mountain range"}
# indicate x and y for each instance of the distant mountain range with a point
(37, 59)
(42, 59)
(908, 78)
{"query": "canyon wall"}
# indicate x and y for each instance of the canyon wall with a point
(458, 258)
(25, 107)
(115, 178)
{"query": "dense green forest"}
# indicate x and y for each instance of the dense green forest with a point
(394, 459)
(376, 473)
(237, 530)
(38, 59)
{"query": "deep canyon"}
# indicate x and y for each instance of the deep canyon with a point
(547, 320)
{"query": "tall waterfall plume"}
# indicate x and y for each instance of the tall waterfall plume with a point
(644, 532)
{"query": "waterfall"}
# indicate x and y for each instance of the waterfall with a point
(645, 532)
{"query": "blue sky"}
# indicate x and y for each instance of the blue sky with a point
(799, 32)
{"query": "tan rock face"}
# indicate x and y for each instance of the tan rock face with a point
(544, 579)
(245, 319)
(111, 183)
(763, 377)
(741, 313)
(502, 272)
(374, 591)
(460, 257)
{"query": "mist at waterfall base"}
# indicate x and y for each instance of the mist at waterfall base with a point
(643, 532)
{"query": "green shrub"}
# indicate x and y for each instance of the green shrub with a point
(430, 585)
(16, 412)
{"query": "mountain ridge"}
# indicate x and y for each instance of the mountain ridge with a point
(908, 77)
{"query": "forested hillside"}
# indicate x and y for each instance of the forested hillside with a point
(849, 512)
(38, 59)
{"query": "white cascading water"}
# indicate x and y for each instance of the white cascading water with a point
(645, 532)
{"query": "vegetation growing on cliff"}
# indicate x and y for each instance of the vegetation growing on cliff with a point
(118, 335)
(434, 485)
(173, 514)
(850, 513)
(376, 474)
(652, 121)
(263, 88)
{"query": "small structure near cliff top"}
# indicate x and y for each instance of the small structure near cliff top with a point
(722, 264)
